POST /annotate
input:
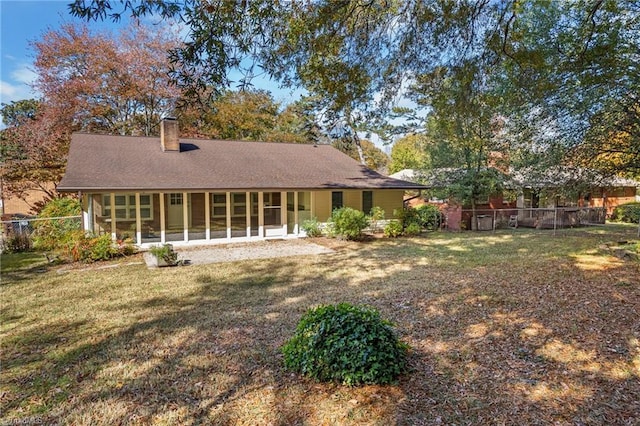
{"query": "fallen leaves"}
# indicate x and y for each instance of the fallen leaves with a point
(504, 329)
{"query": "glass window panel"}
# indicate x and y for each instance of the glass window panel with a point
(239, 198)
(145, 200)
(121, 200)
(219, 211)
(145, 213)
(121, 213)
(106, 200)
(132, 213)
(220, 198)
(336, 200)
(304, 201)
(367, 201)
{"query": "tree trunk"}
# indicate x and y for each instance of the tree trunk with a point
(474, 217)
(356, 141)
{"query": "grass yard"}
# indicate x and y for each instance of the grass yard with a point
(517, 327)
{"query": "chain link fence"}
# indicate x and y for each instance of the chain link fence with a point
(538, 218)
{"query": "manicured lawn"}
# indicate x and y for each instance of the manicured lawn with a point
(517, 327)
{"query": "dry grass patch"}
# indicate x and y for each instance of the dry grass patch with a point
(505, 328)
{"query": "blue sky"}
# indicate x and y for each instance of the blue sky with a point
(23, 21)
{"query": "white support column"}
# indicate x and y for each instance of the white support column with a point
(207, 216)
(113, 215)
(283, 212)
(87, 214)
(296, 217)
(185, 215)
(261, 214)
(248, 212)
(138, 220)
(163, 224)
(228, 215)
(312, 203)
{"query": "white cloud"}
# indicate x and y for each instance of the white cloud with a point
(14, 92)
(23, 74)
(18, 87)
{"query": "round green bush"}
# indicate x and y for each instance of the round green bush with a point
(629, 212)
(412, 229)
(393, 229)
(348, 223)
(348, 344)
(312, 227)
(429, 216)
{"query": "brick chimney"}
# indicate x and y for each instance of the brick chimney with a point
(169, 135)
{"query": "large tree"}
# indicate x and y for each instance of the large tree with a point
(88, 82)
(374, 157)
(409, 152)
(32, 148)
(103, 83)
(573, 63)
(466, 129)
(249, 115)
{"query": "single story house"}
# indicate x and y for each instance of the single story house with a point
(535, 194)
(551, 188)
(195, 191)
(573, 187)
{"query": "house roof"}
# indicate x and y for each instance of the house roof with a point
(405, 174)
(104, 162)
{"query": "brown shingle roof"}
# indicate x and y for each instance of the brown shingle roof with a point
(102, 162)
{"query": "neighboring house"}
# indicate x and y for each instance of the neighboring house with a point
(573, 187)
(560, 187)
(12, 205)
(156, 190)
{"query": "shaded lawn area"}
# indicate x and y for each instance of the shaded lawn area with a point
(516, 327)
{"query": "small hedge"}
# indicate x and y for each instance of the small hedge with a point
(629, 212)
(312, 227)
(429, 216)
(348, 344)
(393, 229)
(348, 223)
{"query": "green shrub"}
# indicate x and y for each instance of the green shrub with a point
(311, 227)
(50, 234)
(629, 212)
(348, 223)
(346, 343)
(429, 216)
(393, 229)
(406, 216)
(412, 229)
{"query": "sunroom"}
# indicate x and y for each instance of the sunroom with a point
(184, 217)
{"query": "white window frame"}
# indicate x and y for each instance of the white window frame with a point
(128, 207)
